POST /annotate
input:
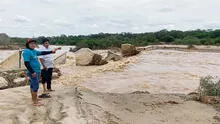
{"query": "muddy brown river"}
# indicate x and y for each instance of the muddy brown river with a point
(160, 71)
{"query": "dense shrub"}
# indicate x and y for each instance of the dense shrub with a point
(209, 86)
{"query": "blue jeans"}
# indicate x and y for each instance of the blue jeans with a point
(34, 82)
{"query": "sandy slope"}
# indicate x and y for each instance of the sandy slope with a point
(142, 108)
(82, 106)
(16, 107)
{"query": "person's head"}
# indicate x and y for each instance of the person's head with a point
(31, 44)
(45, 42)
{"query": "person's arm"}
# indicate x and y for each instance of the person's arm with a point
(28, 66)
(39, 53)
(42, 62)
(41, 57)
(26, 57)
(46, 52)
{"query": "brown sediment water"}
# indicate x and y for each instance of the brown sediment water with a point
(159, 71)
(73, 74)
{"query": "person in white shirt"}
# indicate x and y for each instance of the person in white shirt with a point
(47, 63)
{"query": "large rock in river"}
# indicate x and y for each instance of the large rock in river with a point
(113, 56)
(3, 83)
(129, 50)
(85, 57)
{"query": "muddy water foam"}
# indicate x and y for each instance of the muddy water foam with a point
(160, 71)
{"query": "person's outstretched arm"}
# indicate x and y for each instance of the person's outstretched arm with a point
(39, 53)
(46, 52)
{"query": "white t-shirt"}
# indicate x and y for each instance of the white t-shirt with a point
(48, 59)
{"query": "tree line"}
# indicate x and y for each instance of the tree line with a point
(107, 40)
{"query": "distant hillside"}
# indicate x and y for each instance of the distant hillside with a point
(7, 42)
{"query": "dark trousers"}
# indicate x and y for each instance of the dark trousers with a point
(47, 77)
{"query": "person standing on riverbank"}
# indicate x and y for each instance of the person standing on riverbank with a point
(47, 63)
(30, 56)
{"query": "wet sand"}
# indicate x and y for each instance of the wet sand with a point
(79, 105)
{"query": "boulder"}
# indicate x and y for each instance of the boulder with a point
(3, 83)
(85, 57)
(20, 81)
(113, 56)
(96, 59)
(129, 50)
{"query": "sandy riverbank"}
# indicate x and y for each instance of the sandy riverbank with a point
(83, 106)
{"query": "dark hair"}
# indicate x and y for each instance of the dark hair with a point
(28, 42)
(45, 40)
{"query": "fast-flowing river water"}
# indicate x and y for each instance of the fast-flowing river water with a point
(160, 71)
(5, 53)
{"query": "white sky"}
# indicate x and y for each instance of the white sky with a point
(28, 18)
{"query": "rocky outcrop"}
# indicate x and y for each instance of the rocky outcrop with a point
(17, 78)
(14, 78)
(3, 83)
(113, 56)
(129, 50)
(85, 57)
(20, 81)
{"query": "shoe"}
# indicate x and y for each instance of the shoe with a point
(44, 96)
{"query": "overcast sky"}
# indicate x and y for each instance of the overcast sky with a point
(28, 18)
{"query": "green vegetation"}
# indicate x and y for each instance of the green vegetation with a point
(106, 40)
(209, 86)
(4, 39)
